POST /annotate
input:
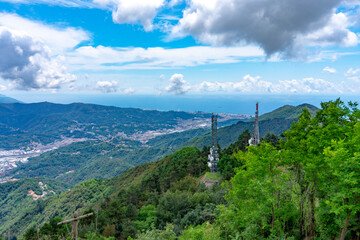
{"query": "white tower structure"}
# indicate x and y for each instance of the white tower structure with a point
(255, 138)
(214, 154)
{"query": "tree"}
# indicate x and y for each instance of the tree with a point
(343, 187)
(315, 152)
(260, 192)
(30, 234)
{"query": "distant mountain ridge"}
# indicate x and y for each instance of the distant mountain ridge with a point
(275, 122)
(288, 112)
(6, 99)
(21, 124)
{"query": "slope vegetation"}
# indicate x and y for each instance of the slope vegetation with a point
(155, 177)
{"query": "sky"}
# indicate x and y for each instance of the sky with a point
(179, 47)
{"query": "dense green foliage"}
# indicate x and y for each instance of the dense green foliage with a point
(141, 198)
(308, 188)
(15, 202)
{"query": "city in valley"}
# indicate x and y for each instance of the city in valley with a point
(9, 159)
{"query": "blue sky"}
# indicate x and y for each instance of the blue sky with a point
(175, 47)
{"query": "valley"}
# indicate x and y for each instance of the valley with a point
(10, 158)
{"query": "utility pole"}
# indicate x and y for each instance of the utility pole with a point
(75, 222)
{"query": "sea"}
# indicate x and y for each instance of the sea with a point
(237, 104)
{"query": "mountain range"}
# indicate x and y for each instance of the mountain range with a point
(75, 166)
(6, 99)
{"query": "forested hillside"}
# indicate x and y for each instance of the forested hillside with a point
(306, 186)
(19, 197)
(131, 187)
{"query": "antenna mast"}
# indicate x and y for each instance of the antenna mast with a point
(214, 154)
(255, 138)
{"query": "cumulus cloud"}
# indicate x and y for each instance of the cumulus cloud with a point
(107, 86)
(128, 91)
(177, 85)
(335, 32)
(133, 11)
(254, 85)
(58, 40)
(28, 64)
(329, 70)
(309, 85)
(275, 25)
(35, 53)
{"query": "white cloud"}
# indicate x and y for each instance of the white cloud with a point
(133, 11)
(140, 12)
(63, 3)
(107, 86)
(128, 91)
(58, 40)
(28, 64)
(35, 53)
(310, 85)
(177, 85)
(255, 85)
(352, 72)
(3, 88)
(275, 25)
(329, 70)
(107, 58)
(335, 32)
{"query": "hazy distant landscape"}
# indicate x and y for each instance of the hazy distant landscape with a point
(179, 119)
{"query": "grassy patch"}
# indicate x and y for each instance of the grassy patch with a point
(212, 176)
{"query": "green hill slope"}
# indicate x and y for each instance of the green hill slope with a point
(288, 112)
(17, 198)
(155, 177)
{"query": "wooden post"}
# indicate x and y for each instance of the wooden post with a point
(75, 225)
(75, 222)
